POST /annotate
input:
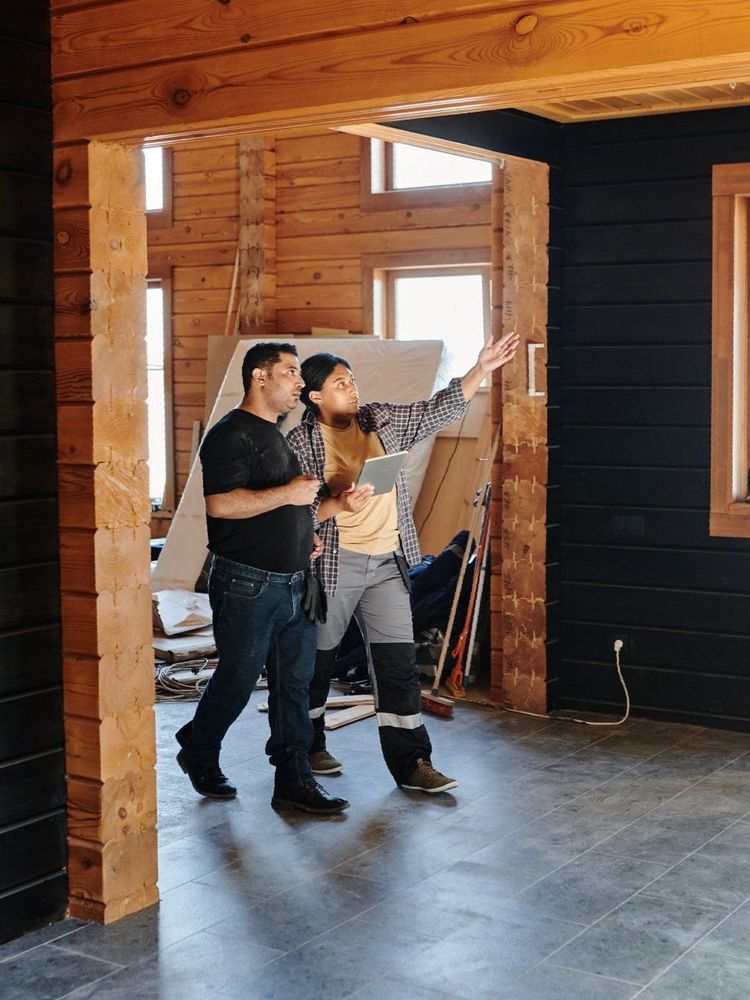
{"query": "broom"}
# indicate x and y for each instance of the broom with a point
(433, 703)
(455, 682)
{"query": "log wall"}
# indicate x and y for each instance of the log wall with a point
(319, 235)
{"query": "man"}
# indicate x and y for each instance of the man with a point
(260, 532)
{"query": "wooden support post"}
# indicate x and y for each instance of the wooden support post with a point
(520, 590)
(496, 415)
(256, 234)
(100, 275)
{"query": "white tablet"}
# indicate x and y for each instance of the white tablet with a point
(382, 472)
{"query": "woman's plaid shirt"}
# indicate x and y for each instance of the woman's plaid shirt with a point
(399, 426)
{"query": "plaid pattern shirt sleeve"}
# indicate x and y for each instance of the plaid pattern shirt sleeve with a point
(413, 422)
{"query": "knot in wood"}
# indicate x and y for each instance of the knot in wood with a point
(635, 26)
(526, 24)
(63, 237)
(64, 172)
(115, 244)
(409, 20)
(181, 97)
(245, 39)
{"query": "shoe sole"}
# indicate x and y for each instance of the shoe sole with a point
(332, 770)
(432, 791)
(285, 805)
(206, 795)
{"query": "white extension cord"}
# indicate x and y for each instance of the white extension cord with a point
(183, 680)
(589, 722)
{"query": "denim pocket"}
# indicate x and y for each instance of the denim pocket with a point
(247, 588)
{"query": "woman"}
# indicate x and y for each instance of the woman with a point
(370, 543)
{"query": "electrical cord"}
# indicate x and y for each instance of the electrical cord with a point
(588, 722)
(172, 685)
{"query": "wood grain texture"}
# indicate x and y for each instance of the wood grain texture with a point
(522, 586)
(100, 235)
(470, 62)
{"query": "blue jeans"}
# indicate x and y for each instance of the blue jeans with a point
(258, 619)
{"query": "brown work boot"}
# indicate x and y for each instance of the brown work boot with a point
(426, 779)
(322, 762)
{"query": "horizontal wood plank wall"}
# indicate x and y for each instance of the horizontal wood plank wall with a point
(33, 883)
(316, 238)
(637, 561)
(323, 232)
(198, 253)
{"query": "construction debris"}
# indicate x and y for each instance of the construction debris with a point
(177, 611)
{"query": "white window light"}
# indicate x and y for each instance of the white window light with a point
(449, 307)
(153, 158)
(156, 400)
(402, 166)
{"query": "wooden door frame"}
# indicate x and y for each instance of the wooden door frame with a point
(101, 267)
(310, 68)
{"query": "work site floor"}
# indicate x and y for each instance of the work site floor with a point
(572, 863)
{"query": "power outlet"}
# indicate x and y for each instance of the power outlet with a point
(618, 643)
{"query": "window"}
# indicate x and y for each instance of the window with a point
(730, 417)
(397, 165)
(157, 165)
(451, 304)
(396, 175)
(159, 403)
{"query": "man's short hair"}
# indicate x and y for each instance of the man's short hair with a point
(263, 355)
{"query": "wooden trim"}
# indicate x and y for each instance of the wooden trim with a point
(443, 195)
(164, 219)
(730, 352)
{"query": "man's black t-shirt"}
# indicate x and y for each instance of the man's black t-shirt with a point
(248, 452)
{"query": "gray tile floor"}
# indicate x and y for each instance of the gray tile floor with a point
(573, 863)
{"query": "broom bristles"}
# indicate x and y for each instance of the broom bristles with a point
(434, 704)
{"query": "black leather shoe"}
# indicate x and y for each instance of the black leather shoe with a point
(209, 781)
(308, 796)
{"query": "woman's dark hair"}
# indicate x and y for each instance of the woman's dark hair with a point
(315, 370)
(263, 355)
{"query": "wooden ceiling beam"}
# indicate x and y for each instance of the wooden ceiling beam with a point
(476, 61)
(135, 32)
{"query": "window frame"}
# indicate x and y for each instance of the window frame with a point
(393, 274)
(441, 195)
(163, 276)
(164, 218)
(730, 352)
(385, 267)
